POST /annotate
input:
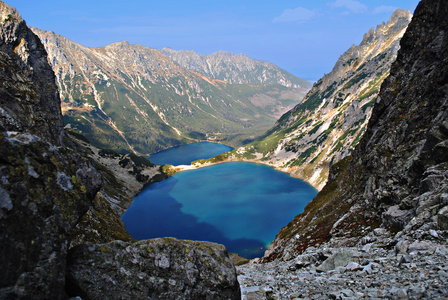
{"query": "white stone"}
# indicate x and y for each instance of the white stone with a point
(402, 247)
(433, 233)
(402, 294)
(367, 247)
(348, 293)
(352, 266)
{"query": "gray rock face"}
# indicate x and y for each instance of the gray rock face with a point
(338, 259)
(394, 217)
(29, 99)
(442, 219)
(397, 177)
(45, 188)
(155, 269)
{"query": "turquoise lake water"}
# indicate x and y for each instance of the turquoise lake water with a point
(238, 204)
(185, 154)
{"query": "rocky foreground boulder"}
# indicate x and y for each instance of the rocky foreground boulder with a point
(52, 195)
(154, 269)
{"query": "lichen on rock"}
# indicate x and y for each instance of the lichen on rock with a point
(164, 268)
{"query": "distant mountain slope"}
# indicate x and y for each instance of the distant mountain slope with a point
(131, 97)
(330, 121)
(235, 68)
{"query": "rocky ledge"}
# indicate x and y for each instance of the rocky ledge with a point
(373, 269)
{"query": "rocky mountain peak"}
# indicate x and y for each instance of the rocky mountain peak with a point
(372, 44)
(9, 13)
(225, 53)
(235, 68)
(121, 44)
(398, 16)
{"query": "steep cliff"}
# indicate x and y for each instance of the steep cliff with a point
(29, 99)
(122, 177)
(57, 192)
(45, 187)
(329, 122)
(396, 177)
(134, 98)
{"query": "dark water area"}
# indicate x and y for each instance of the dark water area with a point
(185, 154)
(238, 204)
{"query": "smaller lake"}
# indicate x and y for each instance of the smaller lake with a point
(185, 154)
(241, 205)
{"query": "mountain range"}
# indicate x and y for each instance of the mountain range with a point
(134, 98)
(234, 68)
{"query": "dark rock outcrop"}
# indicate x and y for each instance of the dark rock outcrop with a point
(45, 187)
(29, 97)
(154, 269)
(397, 177)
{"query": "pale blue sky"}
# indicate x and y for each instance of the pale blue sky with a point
(303, 37)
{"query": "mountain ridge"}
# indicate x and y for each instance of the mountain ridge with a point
(212, 65)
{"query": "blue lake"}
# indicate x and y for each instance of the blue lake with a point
(185, 154)
(238, 204)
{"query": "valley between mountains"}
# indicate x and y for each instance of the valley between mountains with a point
(330, 121)
(133, 98)
(77, 123)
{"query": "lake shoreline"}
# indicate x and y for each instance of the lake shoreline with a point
(192, 142)
(244, 192)
(231, 158)
(183, 168)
